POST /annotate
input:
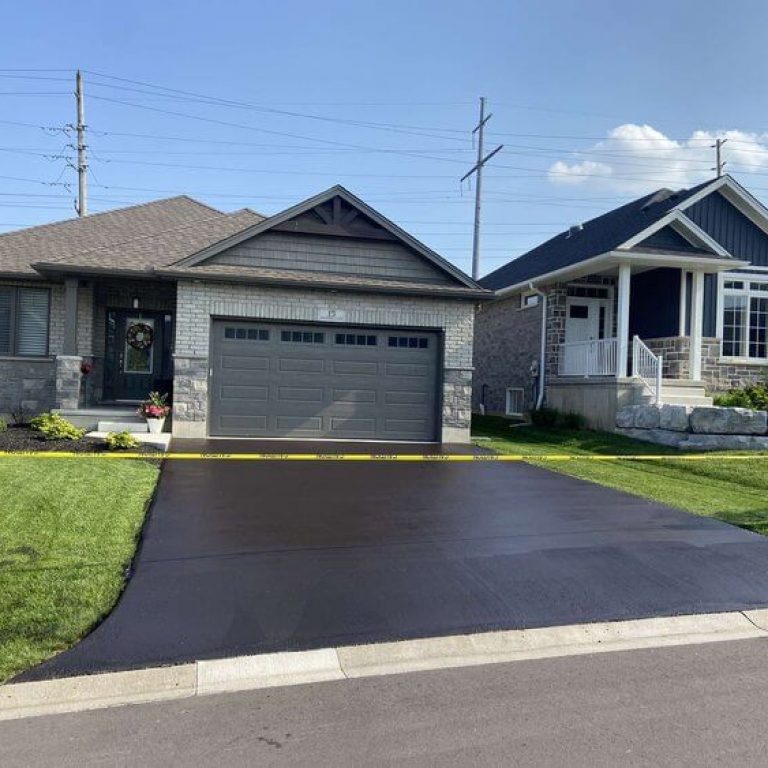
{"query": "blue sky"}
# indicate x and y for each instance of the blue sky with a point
(596, 102)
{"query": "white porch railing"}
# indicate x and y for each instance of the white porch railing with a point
(647, 367)
(598, 357)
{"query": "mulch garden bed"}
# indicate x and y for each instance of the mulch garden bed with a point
(20, 437)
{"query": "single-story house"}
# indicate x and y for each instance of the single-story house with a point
(323, 321)
(662, 300)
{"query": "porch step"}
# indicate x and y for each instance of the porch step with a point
(670, 399)
(91, 418)
(136, 426)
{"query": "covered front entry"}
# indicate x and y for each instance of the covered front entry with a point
(320, 381)
(137, 354)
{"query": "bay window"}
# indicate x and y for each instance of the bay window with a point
(745, 318)
(23, 321)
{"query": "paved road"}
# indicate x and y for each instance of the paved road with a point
(242, 558)
(690, 706)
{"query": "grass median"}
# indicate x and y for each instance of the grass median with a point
(68, 532)
(733, 491)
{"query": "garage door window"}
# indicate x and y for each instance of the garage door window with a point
(250, 334)
(356, 340)
(302, 337)
(409, 342)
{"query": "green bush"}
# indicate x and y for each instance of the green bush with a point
(572, 421)
(121, 441)
(54, 427)
(544, 417)
(550, 417)
(753, 396)
(3, 425)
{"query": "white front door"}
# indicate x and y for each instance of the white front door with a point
(585, 320)
(582, 319)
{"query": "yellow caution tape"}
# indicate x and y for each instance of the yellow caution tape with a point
(384, 457)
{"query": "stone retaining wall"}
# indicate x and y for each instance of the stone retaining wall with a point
(695, 428)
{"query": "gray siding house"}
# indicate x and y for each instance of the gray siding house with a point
(324, 321)
(662, 300)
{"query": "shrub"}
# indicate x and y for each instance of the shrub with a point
(54, 427)
(3, 425)
(544, 417)
(572, 421)
(753, 396)
(121, 441)
(550, 417)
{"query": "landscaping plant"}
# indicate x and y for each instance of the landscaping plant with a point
(155, 406)
(120, 441)
(753, 396)
(3, 425)
(52, 426)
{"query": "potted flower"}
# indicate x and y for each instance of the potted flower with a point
(154, 409)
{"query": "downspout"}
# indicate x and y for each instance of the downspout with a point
(543, 342)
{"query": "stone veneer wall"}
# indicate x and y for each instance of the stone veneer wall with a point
(507, 341)
(717, 375)
(198, 301)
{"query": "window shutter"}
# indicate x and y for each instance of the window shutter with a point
(32, 322)
(6, 299)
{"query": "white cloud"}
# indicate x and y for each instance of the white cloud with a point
(635, 159)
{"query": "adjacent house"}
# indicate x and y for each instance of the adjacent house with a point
(324, 321)
(662, 300)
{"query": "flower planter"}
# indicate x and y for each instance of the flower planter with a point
(155, 426)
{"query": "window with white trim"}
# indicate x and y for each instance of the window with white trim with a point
(744, 310)
(530, 299)
(515, 401)
(24, 321)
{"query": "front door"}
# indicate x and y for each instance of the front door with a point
(586, 320)
(137, 357)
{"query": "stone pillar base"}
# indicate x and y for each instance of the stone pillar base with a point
(68, 378)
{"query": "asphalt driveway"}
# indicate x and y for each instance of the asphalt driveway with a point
(240, 557)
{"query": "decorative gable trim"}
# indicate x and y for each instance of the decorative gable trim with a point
(688, 229)
(334, 212)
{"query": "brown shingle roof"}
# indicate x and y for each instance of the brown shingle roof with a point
(137, 238)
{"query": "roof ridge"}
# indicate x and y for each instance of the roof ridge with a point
(151, 235)
(92, 216)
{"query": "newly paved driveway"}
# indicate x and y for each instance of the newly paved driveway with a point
(243, 557)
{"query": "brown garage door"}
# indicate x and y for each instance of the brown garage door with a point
(318, 381)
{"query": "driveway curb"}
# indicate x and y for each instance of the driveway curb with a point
(76, 694)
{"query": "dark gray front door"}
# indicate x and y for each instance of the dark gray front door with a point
(137, 357)
(318, 381)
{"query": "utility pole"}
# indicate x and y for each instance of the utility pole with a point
(82, 164)
(719, 163)
(477, 169)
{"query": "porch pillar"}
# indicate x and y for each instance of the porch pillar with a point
(623, 320)
(697, 322)
(70, 316)
(683, 309)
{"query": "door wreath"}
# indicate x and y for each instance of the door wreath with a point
(140, 336)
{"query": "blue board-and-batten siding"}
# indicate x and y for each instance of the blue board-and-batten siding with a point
(654, 303)
(731, 228)
(737, 234)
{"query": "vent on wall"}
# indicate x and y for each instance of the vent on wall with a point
(515, 401)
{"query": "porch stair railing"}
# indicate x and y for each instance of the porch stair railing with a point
(597, 357)
(647, 367)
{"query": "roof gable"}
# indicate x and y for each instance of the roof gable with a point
(333, 232)
(634, 227)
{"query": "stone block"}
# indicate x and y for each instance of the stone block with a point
(625, 417)
(647, 417)
(675, 417)
(728, 421)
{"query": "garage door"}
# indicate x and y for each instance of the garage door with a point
(312, 381)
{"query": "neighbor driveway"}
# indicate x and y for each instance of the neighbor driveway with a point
(243, 557)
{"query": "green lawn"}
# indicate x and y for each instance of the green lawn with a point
(733, 491)
(68, 530)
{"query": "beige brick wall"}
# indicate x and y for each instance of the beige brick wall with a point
(197, 302)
